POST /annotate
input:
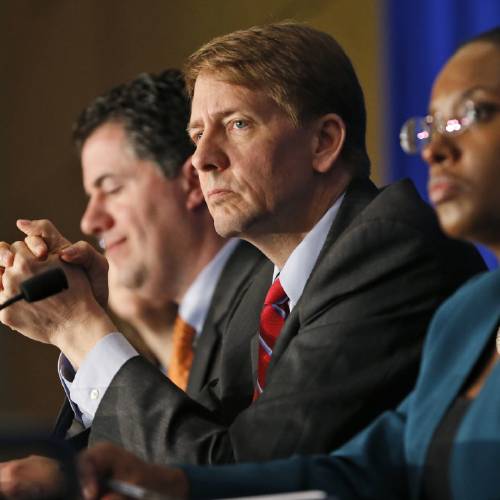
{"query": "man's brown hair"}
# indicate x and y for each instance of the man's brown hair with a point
(305, 71)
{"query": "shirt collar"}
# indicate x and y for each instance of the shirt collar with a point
(300, 263)
(195, 304)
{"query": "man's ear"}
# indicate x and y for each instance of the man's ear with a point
(330, 135)
(191, 186)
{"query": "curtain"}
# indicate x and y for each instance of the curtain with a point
(419, 36)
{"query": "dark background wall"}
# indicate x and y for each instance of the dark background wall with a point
(56, 55)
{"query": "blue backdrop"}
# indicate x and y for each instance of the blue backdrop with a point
(419, 36)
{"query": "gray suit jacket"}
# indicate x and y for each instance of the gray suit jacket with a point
(233, 282)
(349, 349)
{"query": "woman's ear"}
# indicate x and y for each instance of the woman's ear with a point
(191, 186)
(329, 140)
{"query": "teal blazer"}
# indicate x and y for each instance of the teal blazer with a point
(386, 460)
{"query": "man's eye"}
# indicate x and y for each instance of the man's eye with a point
(113, 190)
(196, 137)
(240, 124)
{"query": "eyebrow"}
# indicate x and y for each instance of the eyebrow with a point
(197, 124)
(472, 90)
(192, 127)
(469, 93)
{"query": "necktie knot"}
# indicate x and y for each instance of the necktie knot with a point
(276, 294)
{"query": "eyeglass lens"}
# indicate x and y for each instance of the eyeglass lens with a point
(415, 135)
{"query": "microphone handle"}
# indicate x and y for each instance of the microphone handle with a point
(11, 301)
(40, 286)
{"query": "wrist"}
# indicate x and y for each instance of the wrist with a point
(78, 337)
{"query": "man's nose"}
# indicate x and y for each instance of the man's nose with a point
(96, 219)
(210, 154)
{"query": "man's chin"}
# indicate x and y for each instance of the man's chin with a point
(131, 279)
(227, 232)
(231, 227)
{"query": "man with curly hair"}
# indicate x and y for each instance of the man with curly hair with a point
(146, 208)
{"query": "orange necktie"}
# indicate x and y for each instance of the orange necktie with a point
(182, 353)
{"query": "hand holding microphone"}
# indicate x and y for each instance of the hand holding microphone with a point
(73, 321)
(40, 286)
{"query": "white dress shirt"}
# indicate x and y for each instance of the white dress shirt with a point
(85, 388)
(298, 267)
(196, 302)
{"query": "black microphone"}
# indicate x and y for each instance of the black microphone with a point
(40, 286)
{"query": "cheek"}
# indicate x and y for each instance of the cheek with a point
(159, 204)
(258, 186)
(137, 222)
(264, 169)
(483, 172)
(249, 173)
(124, 214)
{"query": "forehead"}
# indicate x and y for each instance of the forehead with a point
(107, 149)
(107, 154)
(475, 65)
(213, 97)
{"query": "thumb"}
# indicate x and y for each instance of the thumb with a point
(86, 256)
(94, 264)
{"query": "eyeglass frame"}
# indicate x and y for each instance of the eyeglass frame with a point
(437, 123)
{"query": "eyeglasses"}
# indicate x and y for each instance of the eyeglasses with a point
(417, 132)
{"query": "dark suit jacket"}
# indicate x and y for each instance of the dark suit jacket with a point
(387, 460)
(233, 281)
(349, 349)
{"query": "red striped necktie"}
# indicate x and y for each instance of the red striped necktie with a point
(272, 319)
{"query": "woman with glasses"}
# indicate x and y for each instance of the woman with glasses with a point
(444, 440)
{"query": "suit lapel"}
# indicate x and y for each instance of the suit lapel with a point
(254, 301)
(358, 195)
(233, 280)
(254, 351)
(205, 349)
(462, 338)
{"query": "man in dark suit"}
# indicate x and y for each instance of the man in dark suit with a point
(361, 293)
(278, 120)
(443, 440)
(145, 207)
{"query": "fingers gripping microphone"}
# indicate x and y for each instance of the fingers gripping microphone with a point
(44, 285)
(40, 286)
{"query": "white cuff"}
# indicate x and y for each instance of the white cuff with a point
(98, 369)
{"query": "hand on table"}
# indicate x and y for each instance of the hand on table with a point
(32, 477)
(105, 461)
